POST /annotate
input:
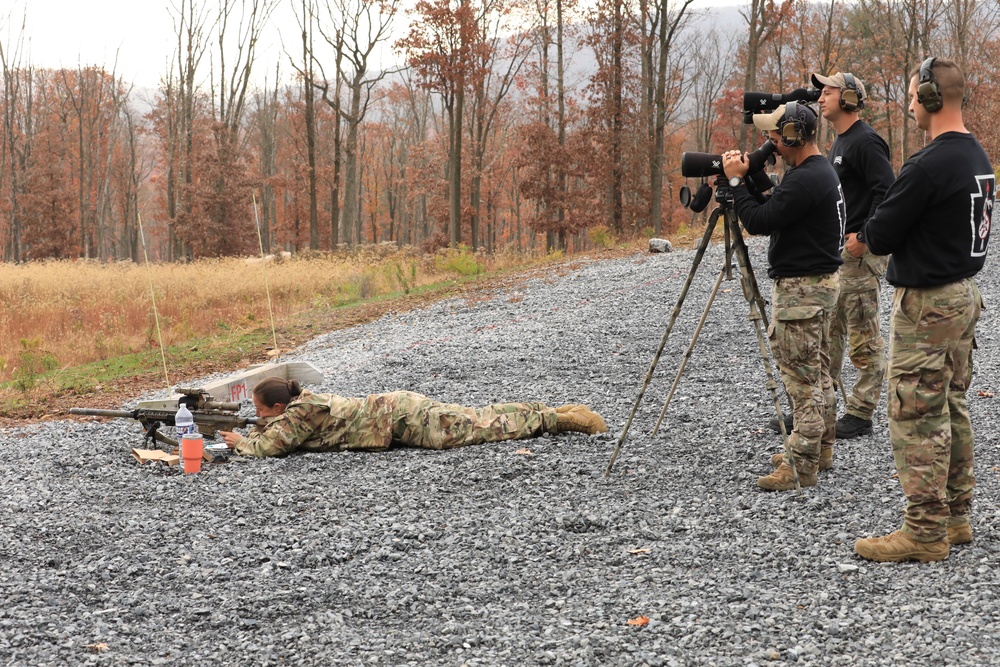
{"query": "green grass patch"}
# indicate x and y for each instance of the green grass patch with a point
(84, 379)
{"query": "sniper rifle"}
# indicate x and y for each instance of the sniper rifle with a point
(209, 414)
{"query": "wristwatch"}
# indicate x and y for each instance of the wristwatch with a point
(859, 237)
(735, 182)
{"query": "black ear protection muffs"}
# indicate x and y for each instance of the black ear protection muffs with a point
(851, 98)
(928, 91)
(799, 124)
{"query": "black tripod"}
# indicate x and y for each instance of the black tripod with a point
(735, 246)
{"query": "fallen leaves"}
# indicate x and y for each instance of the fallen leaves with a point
(639, 621)
(985, 394)
(97, 647)
(524, 451)
(642, 550)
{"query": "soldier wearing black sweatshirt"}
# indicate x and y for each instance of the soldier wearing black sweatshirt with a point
(935, 220)
(805, 220)
(861, 158)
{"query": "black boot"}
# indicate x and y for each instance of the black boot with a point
(774, 426)
(850, 426)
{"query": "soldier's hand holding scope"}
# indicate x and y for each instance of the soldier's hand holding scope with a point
(700, 165)
(735, 165)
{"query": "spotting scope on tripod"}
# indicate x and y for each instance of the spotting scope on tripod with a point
(704, 165)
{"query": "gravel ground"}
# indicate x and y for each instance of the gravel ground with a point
(490, 555)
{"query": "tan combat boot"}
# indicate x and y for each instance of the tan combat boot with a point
(825, 458)
(898, 547)
(783, 479)
(579, 419)
(960, 534)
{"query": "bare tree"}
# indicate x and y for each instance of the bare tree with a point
(265, 119)
(355, 29)
(89, 93)
(666, 22)
(232, 86)
(500, 61)
(331, 92)
(134, 168)
(191, 24)
(18, 128)
(762, 17)
(896, 35)
(307, 70)
(421, 112)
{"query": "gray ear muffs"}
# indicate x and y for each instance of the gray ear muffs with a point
(701, 198)
(850, 95)
(928, 90)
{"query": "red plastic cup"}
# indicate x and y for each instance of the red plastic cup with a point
(192, 447)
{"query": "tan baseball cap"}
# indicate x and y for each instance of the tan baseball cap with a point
(838, 80)
(769, 121)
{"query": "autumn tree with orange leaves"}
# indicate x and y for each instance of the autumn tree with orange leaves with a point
(445, 49)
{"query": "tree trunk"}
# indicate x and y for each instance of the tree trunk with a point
(352, 212)
(561, 183)
(310, 119)
(455, 168)
(617, 121)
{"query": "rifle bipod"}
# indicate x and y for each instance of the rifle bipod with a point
(152, 434)
(736, 247)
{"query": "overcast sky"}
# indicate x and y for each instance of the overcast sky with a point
(138, 34)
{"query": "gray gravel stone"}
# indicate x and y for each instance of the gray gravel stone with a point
(481, 555)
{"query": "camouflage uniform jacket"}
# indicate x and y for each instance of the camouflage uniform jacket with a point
(321, 423)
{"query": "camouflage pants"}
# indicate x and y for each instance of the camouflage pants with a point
(799, 334)
(930, 368)
(421, 422)
(856, 321)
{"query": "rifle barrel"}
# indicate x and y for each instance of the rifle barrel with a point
(166, 416)
(102, 413)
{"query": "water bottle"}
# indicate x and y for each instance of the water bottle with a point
(184, 421)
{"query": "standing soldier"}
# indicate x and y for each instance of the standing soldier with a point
(861, 159)
(805, 220)
(935, 221)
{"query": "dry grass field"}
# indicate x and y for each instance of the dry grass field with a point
(72, 330)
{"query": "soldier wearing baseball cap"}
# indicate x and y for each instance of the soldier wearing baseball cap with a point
(852, 90)
(861, 159)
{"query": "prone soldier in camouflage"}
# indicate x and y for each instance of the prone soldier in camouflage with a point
(935, 221)
(861, 159)
(805, 219)
(295, 419)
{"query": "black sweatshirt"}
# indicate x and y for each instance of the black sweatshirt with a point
(804, 217)
(935, 220)
(861, 159)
